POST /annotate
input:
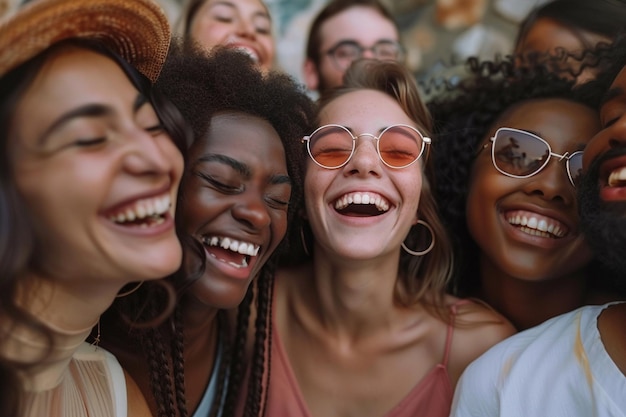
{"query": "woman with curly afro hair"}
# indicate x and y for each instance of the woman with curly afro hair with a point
(508, 159)
(240, 189)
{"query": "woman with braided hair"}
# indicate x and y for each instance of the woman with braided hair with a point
(241, 186)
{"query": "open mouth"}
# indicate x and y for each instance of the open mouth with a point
(362, 204)
(231, 251)
(247, 51)
(617, 177)
(536, 225)
(142, 213)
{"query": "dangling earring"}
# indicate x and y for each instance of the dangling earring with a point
(96, 340)
(129, 292)
(303, 240)
(429, 248)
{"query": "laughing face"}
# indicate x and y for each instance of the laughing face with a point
(364, 209)
(97, 172)
(241, 24)
(603, 192)
(528, 228)
(236, 195)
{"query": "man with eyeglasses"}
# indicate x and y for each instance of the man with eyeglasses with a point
(344, 31)
(573, 365)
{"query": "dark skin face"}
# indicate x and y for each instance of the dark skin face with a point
(495, 200)
(236, 195)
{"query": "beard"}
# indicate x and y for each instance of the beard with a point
(604, 223)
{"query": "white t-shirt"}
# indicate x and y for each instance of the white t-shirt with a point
(557, 369)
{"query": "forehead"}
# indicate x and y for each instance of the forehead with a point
(364, 111)
(249, 5)
(237, 133)
(362, 24)
(558, 121)
(547, 34)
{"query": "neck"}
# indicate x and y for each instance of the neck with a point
(354, 297)
(529, 303)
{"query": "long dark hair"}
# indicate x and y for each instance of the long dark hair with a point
(17, 240)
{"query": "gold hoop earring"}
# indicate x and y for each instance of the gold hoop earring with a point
(129, 292)
(429, 248)
(303, 240)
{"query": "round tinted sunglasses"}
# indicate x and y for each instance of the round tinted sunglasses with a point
(398, 146)
(520, 154)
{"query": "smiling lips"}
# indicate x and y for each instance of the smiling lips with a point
(144, 212)
(617, 178)
(363, 203)
(230, 250)
(536, 225)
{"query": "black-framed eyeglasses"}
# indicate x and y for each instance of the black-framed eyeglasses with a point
(398, 146)
(521, 154)
(346, 52)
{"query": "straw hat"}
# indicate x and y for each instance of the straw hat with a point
(137, 30)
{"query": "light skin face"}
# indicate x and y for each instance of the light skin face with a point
(242, 24)
(496, 200)
(362, 231)
(359, 24)
(95, 155)
(237, 188)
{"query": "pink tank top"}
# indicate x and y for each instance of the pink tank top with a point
(432, 396)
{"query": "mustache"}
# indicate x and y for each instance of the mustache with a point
(594, 168)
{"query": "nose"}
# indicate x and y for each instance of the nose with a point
(365, 160)
(552, 183)
(251, 210)
(147, 154)
(244, 28)
(368, 53)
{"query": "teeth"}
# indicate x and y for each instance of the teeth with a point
(362, 198)
(536, 226)
(617, 176)
(244, 248)
(148, 207)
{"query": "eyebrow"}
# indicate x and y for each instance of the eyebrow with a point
(240, 167)
(263, 13)
(87, 110)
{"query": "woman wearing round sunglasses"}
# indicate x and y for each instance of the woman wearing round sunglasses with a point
(361, 322)
(508, 162)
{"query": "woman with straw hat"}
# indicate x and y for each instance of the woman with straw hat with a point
(90, 169)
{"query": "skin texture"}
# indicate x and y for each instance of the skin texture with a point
(362, 25)
(514, 263)
(242, 193)
(75, 173)
(336, 316)
(244, 24)
(94, 151)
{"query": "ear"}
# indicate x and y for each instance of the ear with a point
(311, 76)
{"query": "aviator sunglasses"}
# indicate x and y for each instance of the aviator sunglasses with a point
(520, 154)
(398, 146)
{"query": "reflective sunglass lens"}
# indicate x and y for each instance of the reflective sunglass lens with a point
(331, 146)
(399, 146)
(518, 153)
(575, 167)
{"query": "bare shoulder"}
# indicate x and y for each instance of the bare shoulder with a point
(477, 327)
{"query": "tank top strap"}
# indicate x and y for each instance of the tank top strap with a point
(450, 333)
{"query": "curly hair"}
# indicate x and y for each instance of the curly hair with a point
(201, 84)
(463, 119)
